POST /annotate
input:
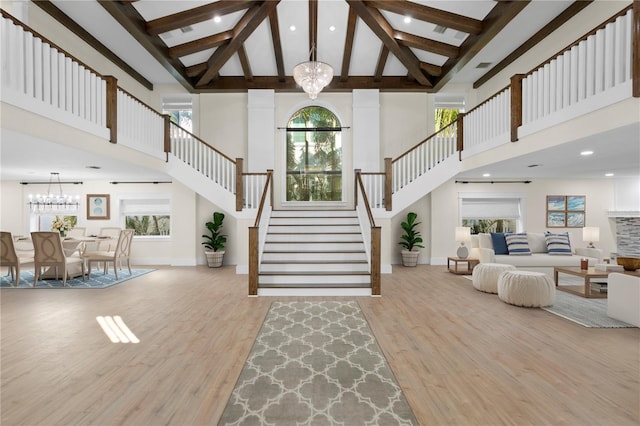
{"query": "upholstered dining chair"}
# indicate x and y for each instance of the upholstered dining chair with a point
(50, 253)
(76, 232)
(9, 257)
(122, 252)
(113, 233)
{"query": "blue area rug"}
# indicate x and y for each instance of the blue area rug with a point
(97, 280)
(586, 312)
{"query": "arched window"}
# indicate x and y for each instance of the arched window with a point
(314, 156)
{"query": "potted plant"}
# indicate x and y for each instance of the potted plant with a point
(215, 241)
(411, 240)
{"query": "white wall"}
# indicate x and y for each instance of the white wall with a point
(599, 199)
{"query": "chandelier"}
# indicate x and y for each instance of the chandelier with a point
(312, 75)
(51, 202)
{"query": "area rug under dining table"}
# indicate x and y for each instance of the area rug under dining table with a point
(98, 279)
(316, 363)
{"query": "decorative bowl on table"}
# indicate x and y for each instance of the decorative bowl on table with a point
(629, 263)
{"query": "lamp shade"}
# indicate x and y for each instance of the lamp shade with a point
(591, 234)
(463, 233)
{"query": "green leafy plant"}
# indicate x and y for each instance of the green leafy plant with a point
(215, 240)
(411, 237)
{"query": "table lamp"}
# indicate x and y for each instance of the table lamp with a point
(591, 234)
(463, 233)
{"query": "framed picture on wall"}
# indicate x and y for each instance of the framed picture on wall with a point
(98, 206)
(566, 211)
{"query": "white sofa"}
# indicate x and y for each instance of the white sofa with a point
(623, 298)
(539, 260)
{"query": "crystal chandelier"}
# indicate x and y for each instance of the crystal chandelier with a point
(51, 203)
(312, 75)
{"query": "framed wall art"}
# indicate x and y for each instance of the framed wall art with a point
(98, 206)
(566, 211)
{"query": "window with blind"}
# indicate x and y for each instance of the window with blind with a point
(491, 213)
(148, 217)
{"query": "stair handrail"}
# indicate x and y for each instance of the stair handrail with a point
(257, 234)
(371, 234)
(203, 142)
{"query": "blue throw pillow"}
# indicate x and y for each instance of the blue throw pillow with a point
(558, 244)
(499, 243)
(518, 245)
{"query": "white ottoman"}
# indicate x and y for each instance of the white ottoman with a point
(485, 276)
(526, 288)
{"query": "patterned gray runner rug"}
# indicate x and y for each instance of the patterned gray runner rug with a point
(316, 363)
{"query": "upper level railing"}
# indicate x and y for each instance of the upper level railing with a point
(40, 76)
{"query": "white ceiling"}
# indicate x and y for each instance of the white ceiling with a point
(562, 161)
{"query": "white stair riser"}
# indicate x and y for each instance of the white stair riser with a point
(313, 221)
(314, 257)
(315, 291)
(313, 213)
(313, 238)
(303, 229)
(311, 247)
(313, 279)
(313, 268)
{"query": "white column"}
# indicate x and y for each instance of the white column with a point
(366, 130)
(261, 131)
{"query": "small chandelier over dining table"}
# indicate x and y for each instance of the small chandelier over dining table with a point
(50, 202)
(313, 75)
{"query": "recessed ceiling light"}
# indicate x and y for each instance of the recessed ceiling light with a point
(586, 153)
(407, 20)
(332, 28)
(292, 27)
(609, 174)
(486, 174)
(217, 19)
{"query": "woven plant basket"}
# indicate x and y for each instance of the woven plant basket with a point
(214, 258)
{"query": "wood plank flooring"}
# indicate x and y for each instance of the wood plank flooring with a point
(462, 357)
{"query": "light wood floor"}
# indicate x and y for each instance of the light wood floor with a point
(461, 356)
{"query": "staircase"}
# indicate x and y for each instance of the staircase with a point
(307, 252)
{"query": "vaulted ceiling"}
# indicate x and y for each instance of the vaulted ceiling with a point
(392, 45)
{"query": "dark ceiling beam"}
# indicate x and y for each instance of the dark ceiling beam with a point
(75, 28)
(240, 84)
(429, 14)
(381, 28)
(313, 28)
(244, 61)
(501, 14)
(277, 43)
(431, 69)
(348, 44)
(382, 61)
(129, 18)
(195, 15)
(201, 44)
(557, 22)
(196, 70)
(437, 47)
(247, 24)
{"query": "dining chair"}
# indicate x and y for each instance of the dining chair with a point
(122, 252)
(9, 257)
(113, 233)
(50, 253)
(76, 232)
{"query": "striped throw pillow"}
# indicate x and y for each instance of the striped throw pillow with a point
(517, 244)
(558, 244)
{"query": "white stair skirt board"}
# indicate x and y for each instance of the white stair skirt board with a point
(314, 292)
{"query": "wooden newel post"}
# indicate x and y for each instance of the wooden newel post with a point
(239, 184)
(253, 260)
(460, 135)
(388, 168)
(516, 105)
(270, 176)
(112, 107)
(635, 49)
(356, 173)
(167, 135)
(375, 261)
